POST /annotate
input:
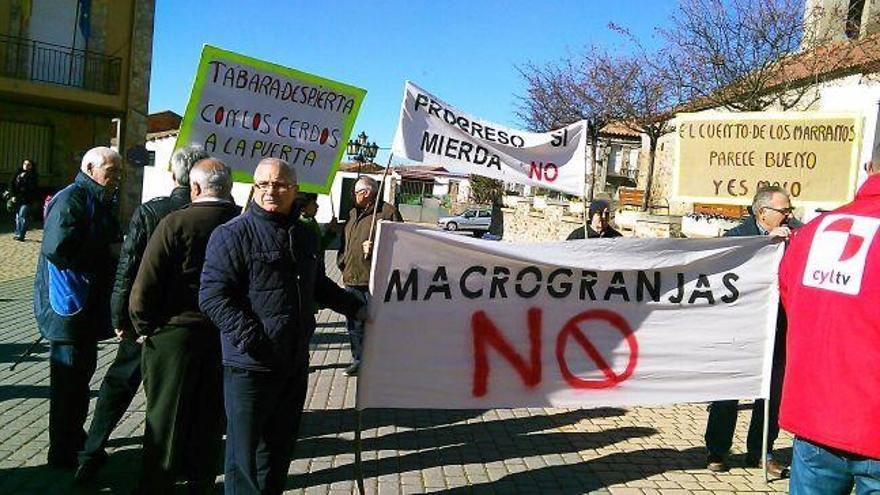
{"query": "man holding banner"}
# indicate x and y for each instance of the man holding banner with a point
(771, 211)
(829, 281)
(357, 253)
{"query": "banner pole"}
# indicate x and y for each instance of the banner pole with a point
(247, 202)
(586, 182)
(376, 201)
(765, 439)
(358, 458)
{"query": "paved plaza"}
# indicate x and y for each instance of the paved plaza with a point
(610, 450)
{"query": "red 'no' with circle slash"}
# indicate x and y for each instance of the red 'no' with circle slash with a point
(572, 329)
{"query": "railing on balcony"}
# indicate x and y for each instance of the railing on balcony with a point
(30, 60)
(630, 173)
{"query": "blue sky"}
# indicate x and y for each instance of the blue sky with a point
(465, 52)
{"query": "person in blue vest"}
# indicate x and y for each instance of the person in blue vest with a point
(72, 289)
(123, 377)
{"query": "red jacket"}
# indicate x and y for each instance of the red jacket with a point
(829, 281)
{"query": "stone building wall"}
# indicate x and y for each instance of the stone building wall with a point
(524, 224)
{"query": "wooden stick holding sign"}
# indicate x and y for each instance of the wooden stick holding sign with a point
(247, 202)
(367, 252)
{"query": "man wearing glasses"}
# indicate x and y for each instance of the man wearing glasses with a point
(771, 215)
(259, 284)
(357, 252)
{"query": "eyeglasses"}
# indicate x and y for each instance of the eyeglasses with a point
(784, 211)
(278, 186)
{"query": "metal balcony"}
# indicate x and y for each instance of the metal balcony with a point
(31, 60)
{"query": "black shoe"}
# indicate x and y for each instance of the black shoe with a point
(353, 368)
(777, 469)
(88, 470)
(716, 463)
(62, 462)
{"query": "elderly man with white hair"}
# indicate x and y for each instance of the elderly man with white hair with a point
(123, 376)
(72, 289)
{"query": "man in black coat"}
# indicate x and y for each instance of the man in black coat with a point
(72, 293)
(771, 215)
(599, 215)
(123, 376)
(181, 356)
(259, 284)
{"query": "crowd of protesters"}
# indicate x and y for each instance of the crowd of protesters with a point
(214, 306)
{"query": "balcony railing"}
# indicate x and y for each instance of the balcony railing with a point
(31, 60)
(630, 173)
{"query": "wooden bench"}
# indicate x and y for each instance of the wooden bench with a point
(728, 211)
(628, 196)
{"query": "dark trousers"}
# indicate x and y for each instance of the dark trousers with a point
(356, 328)
(70, 370)
(722, 414)
(118, 389)
(264, 411)
(184, 420)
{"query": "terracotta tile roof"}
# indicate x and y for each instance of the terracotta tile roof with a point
(833, 60)
(366, 168)
(619, 129)
(163, 121)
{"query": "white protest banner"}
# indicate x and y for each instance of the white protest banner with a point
(436, 133)
(458, 322)
(243, 110)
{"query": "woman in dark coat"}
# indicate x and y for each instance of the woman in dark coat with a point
(23, 189)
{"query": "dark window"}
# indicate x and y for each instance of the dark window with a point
(854, 18)
(19, 141)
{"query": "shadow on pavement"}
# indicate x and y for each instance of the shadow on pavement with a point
(444, 444)
(9, 353)
(592, 475)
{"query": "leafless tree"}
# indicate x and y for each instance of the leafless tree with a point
(643, 94)
(745, 55)
(563, 93)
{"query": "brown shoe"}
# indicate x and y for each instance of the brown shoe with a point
(716, 464)
(777, 469)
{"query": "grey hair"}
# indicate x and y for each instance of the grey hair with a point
(285, 167)
(764, 196)
(369, 182)
(214, 176)
(182, 162)
(98, 156)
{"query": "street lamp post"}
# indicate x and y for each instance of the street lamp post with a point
(361, 151)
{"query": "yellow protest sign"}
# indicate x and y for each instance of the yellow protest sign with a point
(724, 158)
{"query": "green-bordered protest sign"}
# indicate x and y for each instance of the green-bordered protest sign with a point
(243, 110)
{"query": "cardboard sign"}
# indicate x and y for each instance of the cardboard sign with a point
(435, 133)
(461, 323)
(243, 110)
(725, 158)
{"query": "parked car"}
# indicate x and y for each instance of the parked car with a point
(475, 220)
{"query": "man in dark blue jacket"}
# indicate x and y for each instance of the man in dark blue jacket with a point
(123, 376)
(771, 215)
(72, 293)
(259, 284)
